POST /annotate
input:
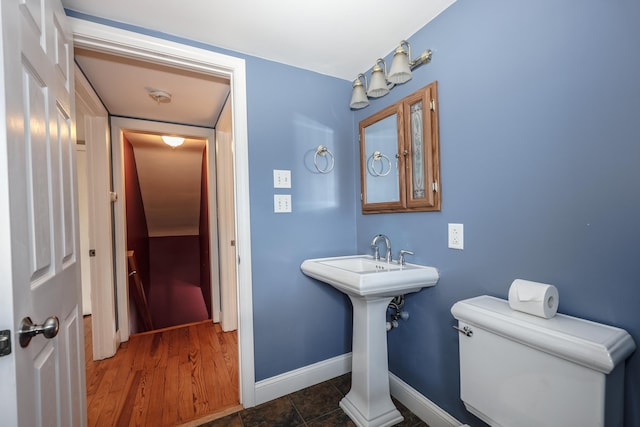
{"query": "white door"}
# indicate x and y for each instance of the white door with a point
(42, 384)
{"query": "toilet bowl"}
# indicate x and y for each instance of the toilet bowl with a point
(521, 370)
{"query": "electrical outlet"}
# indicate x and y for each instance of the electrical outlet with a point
(282, 203)
(456, 236)
(281, 178)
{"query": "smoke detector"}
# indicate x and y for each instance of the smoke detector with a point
(160, 96)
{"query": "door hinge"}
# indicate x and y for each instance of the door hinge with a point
(92, 252)
(5, 342)
(432, 105)
(434, 187)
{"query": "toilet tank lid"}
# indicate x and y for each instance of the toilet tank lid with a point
(594, 345)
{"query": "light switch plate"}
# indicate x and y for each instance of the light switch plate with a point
(282, 203)
(281, 178)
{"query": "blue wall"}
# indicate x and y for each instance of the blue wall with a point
(540, 159)
(297, 320)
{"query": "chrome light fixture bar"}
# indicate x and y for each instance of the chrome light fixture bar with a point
(381, 82)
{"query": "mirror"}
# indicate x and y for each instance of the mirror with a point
(399, 156)
(381, 133)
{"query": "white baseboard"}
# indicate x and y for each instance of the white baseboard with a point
(304, 377)
(425, 409)
(292, 381)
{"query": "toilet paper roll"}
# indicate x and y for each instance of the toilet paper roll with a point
(539, 299)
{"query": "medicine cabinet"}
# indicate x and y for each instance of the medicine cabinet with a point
(400, 155)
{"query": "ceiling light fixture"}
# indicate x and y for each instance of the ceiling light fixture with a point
(380, 83)
(160, 96)
(173, 141)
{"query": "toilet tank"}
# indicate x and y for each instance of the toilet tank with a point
(521, 370)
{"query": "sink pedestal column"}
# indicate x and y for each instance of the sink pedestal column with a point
(369, 403)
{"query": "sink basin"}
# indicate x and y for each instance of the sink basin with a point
(362, 276)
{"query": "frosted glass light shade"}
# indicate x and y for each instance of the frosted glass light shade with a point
(378, 85)
(380, 82)
(400, 70)
(173, 141)
(358, 96)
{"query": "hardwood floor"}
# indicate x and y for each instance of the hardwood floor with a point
(165, 378)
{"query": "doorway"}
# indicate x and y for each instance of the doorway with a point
(171, 222)
(169, 232)
(90, 35)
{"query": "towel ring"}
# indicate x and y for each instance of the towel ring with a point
(377, 156)
(324, 152)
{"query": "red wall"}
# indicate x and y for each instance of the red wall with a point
(205, 260)
(175, 296)
(137, 234)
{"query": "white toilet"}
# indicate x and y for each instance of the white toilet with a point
(521, 370)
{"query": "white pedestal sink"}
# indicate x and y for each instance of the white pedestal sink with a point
(371, 285)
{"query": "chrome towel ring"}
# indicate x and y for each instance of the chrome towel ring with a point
(376, 164)
(329, 161)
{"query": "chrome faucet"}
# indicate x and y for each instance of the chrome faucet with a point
(403, 252)
(376, 250)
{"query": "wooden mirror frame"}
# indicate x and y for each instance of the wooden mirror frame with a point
(423, 162)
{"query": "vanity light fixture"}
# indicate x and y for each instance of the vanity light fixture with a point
(380, 83)
(378, 86)
(402, 63)
(173, 141)
(359, 95)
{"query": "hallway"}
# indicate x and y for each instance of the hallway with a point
(165, 378)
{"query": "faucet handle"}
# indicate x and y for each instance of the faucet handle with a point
(376, 252)
(402, 254)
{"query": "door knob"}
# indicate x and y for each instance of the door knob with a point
(29, 330)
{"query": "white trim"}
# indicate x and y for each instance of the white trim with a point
(93, 36)
(100, 228)
(304, 377)
(425, 409)
(227, 302)
(214, 255)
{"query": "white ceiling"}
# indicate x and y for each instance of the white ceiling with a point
(124, 84)
(334, 37)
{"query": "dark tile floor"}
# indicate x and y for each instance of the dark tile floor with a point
(316, 406)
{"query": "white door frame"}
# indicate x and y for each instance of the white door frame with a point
(98, 145)
(98, 37)
(228, 301)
